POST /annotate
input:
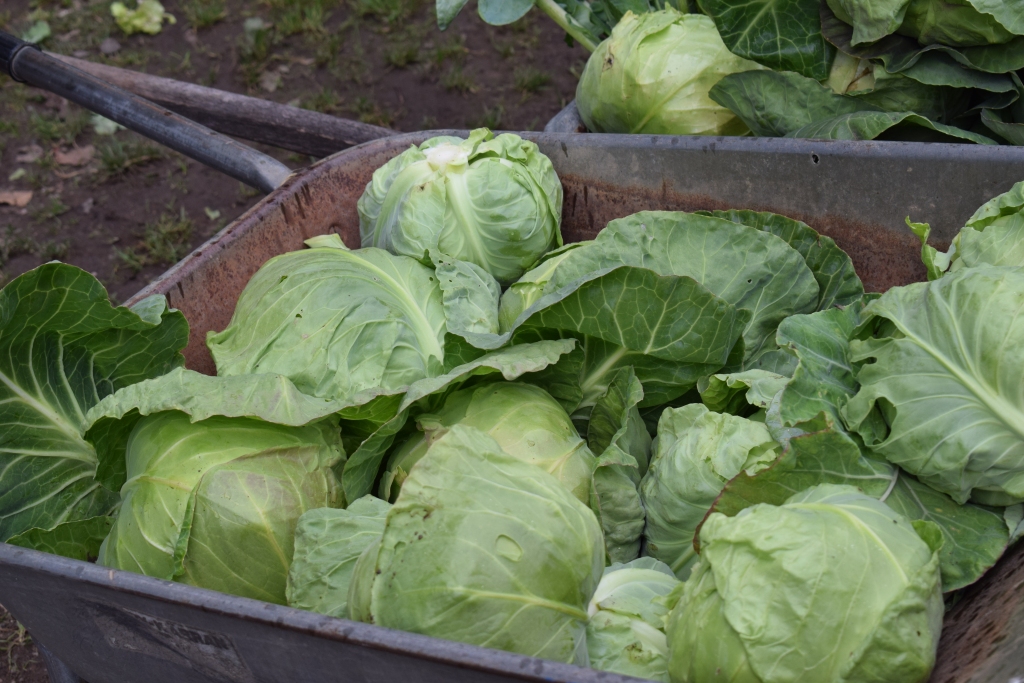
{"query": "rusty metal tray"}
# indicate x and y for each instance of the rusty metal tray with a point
(116, 627)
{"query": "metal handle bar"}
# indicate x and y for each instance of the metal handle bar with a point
(26, 63)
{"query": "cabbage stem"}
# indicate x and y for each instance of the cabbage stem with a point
(567, 23)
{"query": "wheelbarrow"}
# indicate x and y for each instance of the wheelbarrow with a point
(106, 626)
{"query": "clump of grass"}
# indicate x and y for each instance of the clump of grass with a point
(49, 129)
(14, 641)
(326, 101)
(529, 80)
(504, 48)
(254, 50)
(117, 156)
(387, 11)
(204, 13)
(164, 241)
(402, 54)
(492, 118)
(53, 250)
(52, 209)
(368, 111)
(456, 80)
(12, 244)
(453, 48)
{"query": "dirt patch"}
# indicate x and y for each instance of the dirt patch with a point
(126, 209)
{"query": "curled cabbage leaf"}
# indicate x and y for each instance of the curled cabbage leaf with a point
(747, 613)
(696, 453)
(626, 631)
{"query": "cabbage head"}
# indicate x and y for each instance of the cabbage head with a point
(337, 323)
(653, 75)
(747, 614)
(626, 632)
(492, 201)
(483, 548)
(214, 503)
(696, 453)
(525, 420)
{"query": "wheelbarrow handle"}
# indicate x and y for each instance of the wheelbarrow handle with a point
(26, 63)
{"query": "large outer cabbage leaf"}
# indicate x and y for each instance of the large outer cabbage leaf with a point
(328, 542)
(871, 19)
(492, 201)
(626, 631)
(653, 74)
(746, 614)
(695, 453)
(336, 322)
(515, 556)
(214, 503)
(959, 23)
(781, 34)
(752, 269)
(948, 379)
(64, 348)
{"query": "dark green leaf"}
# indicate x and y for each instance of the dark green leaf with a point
(63, 347)
(868, 125)
(79, 540)
(1013, 133)
(781, 34)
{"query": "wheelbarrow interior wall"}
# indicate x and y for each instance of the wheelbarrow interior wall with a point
(112, 626)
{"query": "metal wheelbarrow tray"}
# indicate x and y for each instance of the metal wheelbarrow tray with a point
(110, 626)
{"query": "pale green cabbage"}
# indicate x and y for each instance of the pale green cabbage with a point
(215, 503)
(483, 548)
(653, 74)
(626, 631)
(336, 322)
(830, 586)
(525, 421)
(493, 201)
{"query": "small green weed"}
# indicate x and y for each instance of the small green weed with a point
(204, 13)
(453, 48)
(402, 54)
(54, 208)
(492, 117)
(368, 111)
(326, 101)
(117, 156)
(387, 11)
(49, 129)
(529, 80)
(164, 241)
(456, 80)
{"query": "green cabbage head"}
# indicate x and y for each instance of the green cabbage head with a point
(696, 453)
(653, 74)
(483, 548)
(524, 419)
(338, 323)
(831, 586)
(492, 201)
(626, 632)
(215, 503)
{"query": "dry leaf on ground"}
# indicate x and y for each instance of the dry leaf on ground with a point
(77, 156)
(28, 155)
(17, 198)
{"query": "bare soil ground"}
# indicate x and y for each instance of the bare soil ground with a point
(125, 209)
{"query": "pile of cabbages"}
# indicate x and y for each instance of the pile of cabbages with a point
(691, 449)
